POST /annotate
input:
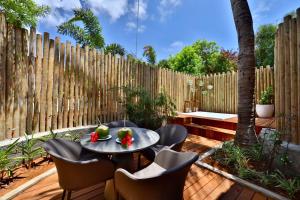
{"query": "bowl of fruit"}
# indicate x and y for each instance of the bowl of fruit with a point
(125, 137)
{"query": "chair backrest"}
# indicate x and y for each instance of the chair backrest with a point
(76, 167)
(173, 161)
(120, 123)
(63, 149)
(166, 185)
(171, 134)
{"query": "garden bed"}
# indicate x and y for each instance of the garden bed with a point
(254, 172)
(22, 175)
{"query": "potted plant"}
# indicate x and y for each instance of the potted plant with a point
(265, 107)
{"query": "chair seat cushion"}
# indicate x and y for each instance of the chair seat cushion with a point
(151, 152)
(150, 171)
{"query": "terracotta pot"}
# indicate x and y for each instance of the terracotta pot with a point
(264, 111)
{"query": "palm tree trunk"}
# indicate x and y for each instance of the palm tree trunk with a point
(245, 133)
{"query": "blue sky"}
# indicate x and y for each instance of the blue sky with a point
(167, 25)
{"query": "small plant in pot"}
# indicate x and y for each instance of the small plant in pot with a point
(265, 107)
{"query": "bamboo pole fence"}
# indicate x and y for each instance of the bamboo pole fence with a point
(46, 83)
(287, 80)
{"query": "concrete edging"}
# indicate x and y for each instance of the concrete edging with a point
(257, 188)
(7, 142)
(28, 184)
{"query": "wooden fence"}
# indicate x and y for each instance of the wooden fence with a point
(45, 83)
(287, 76)
(222, 97)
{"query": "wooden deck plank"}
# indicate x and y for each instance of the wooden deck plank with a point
(204, 192)
(246, 194)
(259, 196)
(232, 193)
(200, 183)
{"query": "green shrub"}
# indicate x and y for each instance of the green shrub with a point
(232, 155)
(145, 110)
(255, 152)
(247, 173)
(267, 96)
(30, 150)
(290, 185)
(7, 163)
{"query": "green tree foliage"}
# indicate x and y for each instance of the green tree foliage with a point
(202, 57)
(164, 64)
(264, 45)
(187, 60)
(23, 13)
(150, 54)
(90, 35)
(209, 52)
(132, 58)
(114, 49)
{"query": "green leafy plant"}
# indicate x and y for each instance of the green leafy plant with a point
(91, 33)
(22, 13)
(290, 185)
(150, 54)
(247, 173)
(267, 96)
(30, 150)
(6, 161)
(115, 49)
(233, 155)
(52, 135)
(146, 111)
(73, 136)
(255, 152)
(266, 179)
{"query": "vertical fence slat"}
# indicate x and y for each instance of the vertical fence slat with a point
(298, 71)
(294, 85)
(3, 42)
(66, 95)
(10, 70)
(61, 87)
(55, 83)
(17, 83)
(50, 85)
(31, 67)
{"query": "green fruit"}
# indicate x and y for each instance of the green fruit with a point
(123, 132)
(102, 131)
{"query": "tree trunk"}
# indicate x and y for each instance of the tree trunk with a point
(245, 133)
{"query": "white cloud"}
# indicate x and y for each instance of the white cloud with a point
(60, 11)
(260, 8)
(142, 11)
(177, 45)
(167, 7)
(114, 8)
(131, 26)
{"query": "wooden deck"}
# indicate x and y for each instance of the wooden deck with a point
(200, 183)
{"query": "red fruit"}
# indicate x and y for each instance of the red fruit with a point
(94, 137)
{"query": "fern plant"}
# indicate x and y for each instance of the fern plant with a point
(7, 163)
(30, 150)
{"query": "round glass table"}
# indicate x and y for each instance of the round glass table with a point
(143, 138)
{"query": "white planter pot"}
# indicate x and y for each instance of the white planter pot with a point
(264, 111)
